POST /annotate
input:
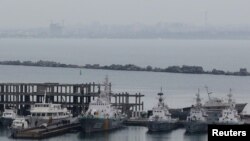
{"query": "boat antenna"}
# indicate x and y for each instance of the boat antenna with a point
(208, 93)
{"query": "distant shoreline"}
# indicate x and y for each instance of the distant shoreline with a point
(130, 67)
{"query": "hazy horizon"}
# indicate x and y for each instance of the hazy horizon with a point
(39, 13)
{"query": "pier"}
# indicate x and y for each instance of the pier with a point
(75, 97)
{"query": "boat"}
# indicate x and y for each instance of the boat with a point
(213, 107)
(8, 116)
(19, 123)
(197, 119)
(161, 119)
(101, 115)
(45, 113)
(229, 115)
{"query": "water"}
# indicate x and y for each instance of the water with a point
(131, 133)
(179, 89)
(221, 54)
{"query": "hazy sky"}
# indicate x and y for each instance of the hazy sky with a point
(34, 13)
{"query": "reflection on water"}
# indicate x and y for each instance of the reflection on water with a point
(124, 134)
(195, 137)
(175, 135)
(130, 133)
(104, 136)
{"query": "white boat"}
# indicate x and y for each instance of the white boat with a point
(214, 107)
(8, 116)
(197, 119)
(161, 119)
(46, 113)
(19, 123)
(230, 114)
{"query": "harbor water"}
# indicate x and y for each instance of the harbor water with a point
(179, 89)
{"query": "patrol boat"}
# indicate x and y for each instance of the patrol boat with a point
(213, 107)
(197, 119)
(229, 115)
(101, 115)
(161, 119)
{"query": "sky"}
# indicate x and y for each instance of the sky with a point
(39, 13)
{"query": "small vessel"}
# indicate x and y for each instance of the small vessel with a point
(44, 113)
(197, 120)
(161, 119)
(8, 116)
(19, 123)
(101, 115)
(230, 115)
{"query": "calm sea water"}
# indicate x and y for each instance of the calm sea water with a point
(131, 133)
(221, 54)
(179, 89)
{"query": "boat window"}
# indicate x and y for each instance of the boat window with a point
(38, 114)
(43, 114)
(33, 114)
(49, 114)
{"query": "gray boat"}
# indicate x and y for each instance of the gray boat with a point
(161, 119)
(101, 115)
(197, 120)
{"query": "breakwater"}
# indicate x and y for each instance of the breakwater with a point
(130, 67)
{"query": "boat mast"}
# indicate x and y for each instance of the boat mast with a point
(160, 94)
(230, 100)
(198, 99)
(44, 99)
(106, 92)
(230, 96)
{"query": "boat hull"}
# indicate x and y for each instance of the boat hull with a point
(6, 121)
(159, 126)
(196, 127)
(99, 124)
